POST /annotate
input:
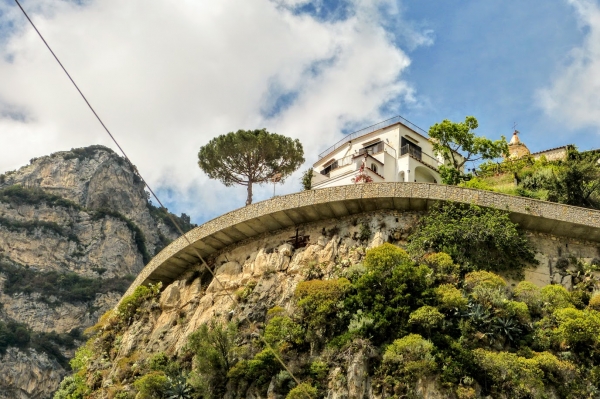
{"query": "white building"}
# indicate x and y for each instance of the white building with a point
(390, 151)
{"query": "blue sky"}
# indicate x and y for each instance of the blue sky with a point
(489, 59)
(169, 79)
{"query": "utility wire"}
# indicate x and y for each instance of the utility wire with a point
(236, 304)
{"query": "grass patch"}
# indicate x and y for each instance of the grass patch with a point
(32, 225)
(17, 195)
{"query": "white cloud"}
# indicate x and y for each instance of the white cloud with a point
(167, 76)
(573, 95)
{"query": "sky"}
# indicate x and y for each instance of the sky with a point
(167, 76)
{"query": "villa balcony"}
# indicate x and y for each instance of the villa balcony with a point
(417, 154)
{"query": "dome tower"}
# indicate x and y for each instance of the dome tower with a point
(516, 148)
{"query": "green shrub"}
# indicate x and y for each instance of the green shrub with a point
(578, 327)
(31, 226)
(163, 215)
(213, 347)
(82, 357)
(510, 374)
(476, 183)
(161, 362)
(320, 301)
(364, 232)
(13, 334)
(530, 294)
(555, 297)
(282, 332)
(384, 257)
(554, 369)
(409, 356)
(450, 298)
(445, 269)
(72, 387)
(595, 302)
(319, 369)
(243, 293)
(152, 385)
(466, 393)
(476, 238)
(260, 369)
(129, 305)
(392, 287)
(518, 310)
(360, 322)
(484, 278)
(427, 317)
(87, 152)
(303, 391)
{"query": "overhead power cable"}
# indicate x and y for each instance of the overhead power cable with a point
(235, 302)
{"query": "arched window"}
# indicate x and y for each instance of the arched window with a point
(374, 167)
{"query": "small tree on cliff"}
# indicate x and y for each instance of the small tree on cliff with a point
(250, 156)
(450, 138)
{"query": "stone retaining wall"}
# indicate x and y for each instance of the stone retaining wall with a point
(293, 210)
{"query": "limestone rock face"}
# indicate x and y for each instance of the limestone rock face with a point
(259, 275)
(28, 374)
(83, 212)
(94, 178)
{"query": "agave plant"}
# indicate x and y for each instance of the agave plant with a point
(479, 315)
(509, 328)
(179, 389)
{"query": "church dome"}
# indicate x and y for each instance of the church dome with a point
(516, 148)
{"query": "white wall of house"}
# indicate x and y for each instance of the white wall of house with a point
(396, 154)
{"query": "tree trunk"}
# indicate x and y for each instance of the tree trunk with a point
(249, 199)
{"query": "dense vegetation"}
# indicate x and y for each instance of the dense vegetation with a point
(17, 195)
(412, 319)
(86, 152)
(413, 315)
(55, 287)
(572, 181)
(476, 238)
(30, 226)
(19, 335)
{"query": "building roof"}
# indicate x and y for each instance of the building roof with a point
(515, 139)
(552, 149)
(396, 120)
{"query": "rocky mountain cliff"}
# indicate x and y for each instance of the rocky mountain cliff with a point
(75, 228)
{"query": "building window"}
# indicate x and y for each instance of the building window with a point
(408, 147)
(329, 168)
(372, 148)
(374, 167)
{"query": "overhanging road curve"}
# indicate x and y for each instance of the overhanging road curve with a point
(327, 203)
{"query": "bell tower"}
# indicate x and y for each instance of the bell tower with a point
(516, 148)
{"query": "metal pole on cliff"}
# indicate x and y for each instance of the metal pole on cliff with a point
(276, 178)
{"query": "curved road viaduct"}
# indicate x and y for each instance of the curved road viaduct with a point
(330, 203)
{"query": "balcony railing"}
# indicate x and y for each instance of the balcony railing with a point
(338, 163)
(374, 149)
(370, 129)
(418, 154)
